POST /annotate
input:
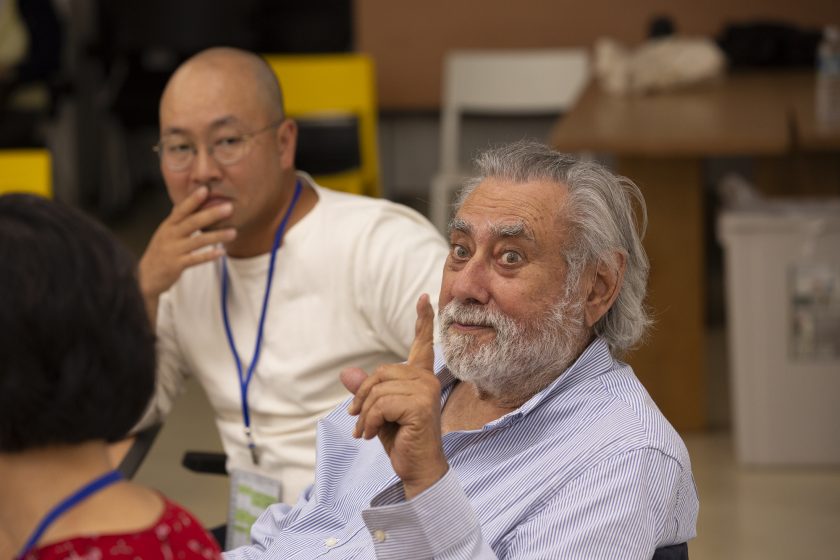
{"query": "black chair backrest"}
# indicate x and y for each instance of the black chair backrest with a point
(673, 552)
(143, 441)
(328, 145)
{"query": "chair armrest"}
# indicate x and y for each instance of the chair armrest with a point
(205, 462)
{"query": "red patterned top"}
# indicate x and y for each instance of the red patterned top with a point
(176, 535)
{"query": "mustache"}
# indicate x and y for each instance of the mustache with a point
(456, 312)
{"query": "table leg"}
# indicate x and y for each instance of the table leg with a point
(671, 364)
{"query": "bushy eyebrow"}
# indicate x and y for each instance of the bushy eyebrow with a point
(460, 225)
(516, 229)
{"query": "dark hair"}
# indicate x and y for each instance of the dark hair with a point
(77, 357)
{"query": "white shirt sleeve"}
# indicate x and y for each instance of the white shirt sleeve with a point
(401, 256)
(171, 369)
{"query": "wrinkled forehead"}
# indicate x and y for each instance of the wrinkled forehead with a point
(499, 208)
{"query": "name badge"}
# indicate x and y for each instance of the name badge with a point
(250, 495)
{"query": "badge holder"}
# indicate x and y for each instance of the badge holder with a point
(250, 495)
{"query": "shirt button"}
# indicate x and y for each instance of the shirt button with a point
(379, 535)
(331, 542)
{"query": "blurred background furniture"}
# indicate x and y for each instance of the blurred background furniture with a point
(138, 44)
(333, 99)
(513, 82)
(26, 171)
(30, 71)
(661, 141)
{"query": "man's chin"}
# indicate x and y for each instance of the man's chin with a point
(466, 359)
(215, 226)
(468, 347)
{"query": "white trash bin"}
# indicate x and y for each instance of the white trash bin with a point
(782, 262)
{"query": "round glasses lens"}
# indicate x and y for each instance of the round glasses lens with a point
(176, 154)
(229, 150)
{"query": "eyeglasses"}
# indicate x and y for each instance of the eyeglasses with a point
(177, 152)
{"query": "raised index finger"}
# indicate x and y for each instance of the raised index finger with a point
(422, 353)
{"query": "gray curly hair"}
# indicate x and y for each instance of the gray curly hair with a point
(601, 221)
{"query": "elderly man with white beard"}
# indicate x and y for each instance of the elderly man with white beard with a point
(523, 435)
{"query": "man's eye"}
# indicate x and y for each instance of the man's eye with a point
(178, 148)
(229, 141)
(459, 252)
(511, 257)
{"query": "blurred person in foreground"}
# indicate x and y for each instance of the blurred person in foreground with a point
(522, 435)
(77, 366)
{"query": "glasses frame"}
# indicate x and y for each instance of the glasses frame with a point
(246, 140)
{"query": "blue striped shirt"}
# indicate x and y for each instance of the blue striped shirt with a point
(587, 468)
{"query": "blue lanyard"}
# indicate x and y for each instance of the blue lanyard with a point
(70, 501)
(245, 379)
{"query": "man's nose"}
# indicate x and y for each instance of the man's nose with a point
(205, 168)
(471, 283)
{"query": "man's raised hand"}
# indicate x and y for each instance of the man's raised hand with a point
(175, 245)
(400, 404)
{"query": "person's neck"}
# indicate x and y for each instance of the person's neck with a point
(33, 482)
(466, 410)
(260, 242)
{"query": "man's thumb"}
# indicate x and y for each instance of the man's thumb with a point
(352, 378)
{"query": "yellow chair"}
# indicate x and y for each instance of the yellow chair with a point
(26, 171)
(334, 85)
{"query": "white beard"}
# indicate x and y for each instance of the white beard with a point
(522, 359)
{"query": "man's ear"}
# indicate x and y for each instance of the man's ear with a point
(604, 287)
(287, 142)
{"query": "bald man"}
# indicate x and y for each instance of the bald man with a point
(262, 284)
